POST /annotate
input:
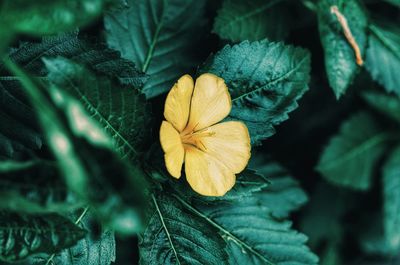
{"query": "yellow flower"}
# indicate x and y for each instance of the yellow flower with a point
(213, 153)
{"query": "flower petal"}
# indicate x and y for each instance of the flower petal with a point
(229, 143)
(211, 102)
(177, 104)
(172, 145)
(205, 174)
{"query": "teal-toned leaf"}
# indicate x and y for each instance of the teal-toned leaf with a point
(391, 199)
(34, 187)
(340, 60)
(22, 235)
(43, 17)
(19, 131)
(158, 36)
(383, 56)
(253, 235)
(350, 157)
(86, 158)
(176, 236)
(265, 80)
(386, 104)
(252, 20)
(94, 249)
(121, 110)
(394, 2)
(284, 194)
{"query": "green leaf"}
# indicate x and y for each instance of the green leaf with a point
(265, 80)
(252, 20)
(340, 61)
(19, 132)
(351, 155)
(394, 2)
(22, 235)
(43, 17)
(158, 36)
(95, 56)
(253, 235)
(391, 199)
(94, 249)
(284, 194)
(121, 110)
(176, 236)
(383, 56)
(386, 104)
(34, 187)
(86, 158)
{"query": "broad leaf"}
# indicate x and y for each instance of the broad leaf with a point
(253, 235)
(386, 104)
(383, 56)
(19, 131)
(158, 36)
(391, 199)
(86, 158)
(350, 157)
(252, 20)
(121, 110)
(22, 235)
(47, 16)
(34, 186)
(340, 60)
(176, 236)
(94, 249)
(265, 80)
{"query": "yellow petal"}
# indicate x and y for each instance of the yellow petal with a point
(177, 104)
(211, 102)
(205, 174)
(229, 142)
(172, 145)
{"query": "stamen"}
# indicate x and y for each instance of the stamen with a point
(347, 33)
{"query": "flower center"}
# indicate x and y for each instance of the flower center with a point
(194, 138)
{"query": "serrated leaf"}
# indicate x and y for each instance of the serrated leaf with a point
(22, 235)
(386, 104)
(284, 194)
(252, 20)
(121, 110)
(158, 36)
(383, 56)
(86, 158)
(340, 60)
(94, 249)
(47, 16)
(253, 235)
(349, 158)
(391, 199)
(176, 236)
(265, 80)
(34, 187)
(19, 132)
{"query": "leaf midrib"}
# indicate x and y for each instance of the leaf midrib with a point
(375, 30)
(364, 146)
(274, 81)
(223, 230)
(97, 112)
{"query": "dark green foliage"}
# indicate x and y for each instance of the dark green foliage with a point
(159, 36)
(82, 91)
(350, 156)
(252, 20)
(265, 80)
(383, 56)
(340, 61)
(22, 235)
